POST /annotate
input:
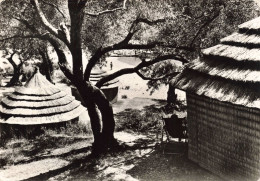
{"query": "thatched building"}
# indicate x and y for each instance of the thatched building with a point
(37, 103)
(223, 105)
(110, 88)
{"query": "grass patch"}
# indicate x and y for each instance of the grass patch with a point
(70, 129)
(147, 120)
(15, 149)
(19, 150)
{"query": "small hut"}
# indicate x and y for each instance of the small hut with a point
(110, 89)
(223, 105)
(38, 103)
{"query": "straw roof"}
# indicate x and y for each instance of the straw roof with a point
(39, 102)
(97, 74)
(229, 71)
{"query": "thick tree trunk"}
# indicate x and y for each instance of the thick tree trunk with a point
(171, 96)
(76, 19)
(95, 120)
(94, 98)
(17, 71)
(91, 95)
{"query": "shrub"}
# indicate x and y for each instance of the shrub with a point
(127, 87)
(124, 96)
(70, 129)
(138, 120)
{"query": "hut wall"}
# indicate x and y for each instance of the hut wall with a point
(224, 138)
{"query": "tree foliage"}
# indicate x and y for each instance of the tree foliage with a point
(205, 23)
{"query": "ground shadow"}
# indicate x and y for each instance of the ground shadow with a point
(147, 160)
(172, 167)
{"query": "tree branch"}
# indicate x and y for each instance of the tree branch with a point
(159, 59)
(158, 78)
(43, 19)
(203, 26)
(60, 34)
(56, 7)
(136, 69)
(154, 45)
(147, 21)
(66, 72)
(183, 16)
(124, 44)
(62, 60)
(100, 52)
(27, 24)
(11, 61)
(107, 11)
(114, 75)
(131, 33)
(17, 36)
(47, 36)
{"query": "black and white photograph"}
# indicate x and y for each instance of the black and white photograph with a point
(129, 90)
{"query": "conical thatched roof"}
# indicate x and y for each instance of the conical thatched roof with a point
(39, 102)
(229, 71)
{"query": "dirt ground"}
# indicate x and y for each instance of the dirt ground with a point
(139, 157)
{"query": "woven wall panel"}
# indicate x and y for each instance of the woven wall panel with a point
(192, 133)
(224, 138)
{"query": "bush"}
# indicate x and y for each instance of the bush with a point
(70, 129)
(138, 120)
(124, 96)
(127, 87)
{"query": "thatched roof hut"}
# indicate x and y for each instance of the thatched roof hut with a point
(110, 88)
(223, 100)
(38, 102)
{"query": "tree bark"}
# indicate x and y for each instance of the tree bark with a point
(76, 19)
(17, 72)
(94, 98)
(15, 79)
(171, 96)
(90, 94)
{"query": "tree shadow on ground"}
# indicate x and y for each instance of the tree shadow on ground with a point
(139, 159)
(173, 167)
(137, 156)
(19, 151)
(46, 142)
(92, 167)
